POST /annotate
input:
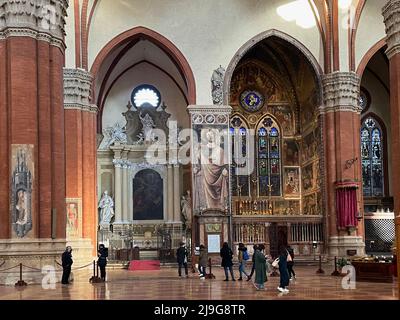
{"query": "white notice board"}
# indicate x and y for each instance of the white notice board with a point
(213, 243)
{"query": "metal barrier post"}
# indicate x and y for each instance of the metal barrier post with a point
(320, 271)
(20, 282)
(209, 275)
(336, 272)
(95, 278)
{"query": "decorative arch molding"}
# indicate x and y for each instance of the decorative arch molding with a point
(160, 41)
(254, 41)
(367, 57)
(138, 167)
(385, 148)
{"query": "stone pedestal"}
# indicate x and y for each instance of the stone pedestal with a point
(36, 255)
(339, 246)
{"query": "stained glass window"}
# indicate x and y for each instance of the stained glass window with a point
(372, 158)
(239, 134)
(269, 158)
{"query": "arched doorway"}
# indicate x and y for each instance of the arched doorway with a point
(273, 85)
(376, 150)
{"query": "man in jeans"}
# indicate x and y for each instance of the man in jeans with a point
(182, 258)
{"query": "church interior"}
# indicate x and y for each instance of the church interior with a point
(142, 125)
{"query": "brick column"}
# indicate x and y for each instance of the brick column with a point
(32, 160)
(343, 160)
(391, 13)
(80, 136)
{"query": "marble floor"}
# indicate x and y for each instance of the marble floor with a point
(166, 285)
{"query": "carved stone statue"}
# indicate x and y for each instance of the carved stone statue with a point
(186, 210)
(113, 134)
(217, 81)
(148, 126)
(106, 205)
(211, 178)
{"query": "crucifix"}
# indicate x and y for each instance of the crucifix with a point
(240, 186)
(269, 198)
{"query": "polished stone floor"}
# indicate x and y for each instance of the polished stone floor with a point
(165, 285)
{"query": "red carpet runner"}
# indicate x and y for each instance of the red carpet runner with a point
(144, 265)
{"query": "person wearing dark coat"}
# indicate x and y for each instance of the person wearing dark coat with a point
(203, 259)
(182, 259)
(254, 263)
(227, 255)
(67, 262)
(290, 264)
(261, 268)
(102, 255)
(283, 271)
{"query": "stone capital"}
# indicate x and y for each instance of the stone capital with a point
(341, 92)
(391, 14)
(33, 18)
(77, 90)
(210, 115)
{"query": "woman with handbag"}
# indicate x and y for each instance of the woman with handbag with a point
(284, 257)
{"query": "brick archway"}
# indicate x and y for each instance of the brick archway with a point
(368, 56)
(163, 43)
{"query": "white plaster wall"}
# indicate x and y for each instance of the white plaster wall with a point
(70, 37)
(380, 105)
(145, 50)
(207, 32)
(371, 28)
(144, 74)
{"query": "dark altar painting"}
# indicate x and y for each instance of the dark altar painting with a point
(290, 153)
(148, 196)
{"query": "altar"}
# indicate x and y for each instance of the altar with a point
(139, 172)
(372, 271)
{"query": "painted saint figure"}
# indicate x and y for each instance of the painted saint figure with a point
(22, 210)
(106, 205)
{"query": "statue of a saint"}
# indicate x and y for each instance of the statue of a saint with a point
(212, 176)
(148, 126)
(217, 81)
(186, 210)
(106, 205)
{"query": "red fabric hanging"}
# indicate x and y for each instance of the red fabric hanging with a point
(346, 207)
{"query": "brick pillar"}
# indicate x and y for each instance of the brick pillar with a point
(343, 159)
(80, 136)
(32, 160)
(391, 13)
